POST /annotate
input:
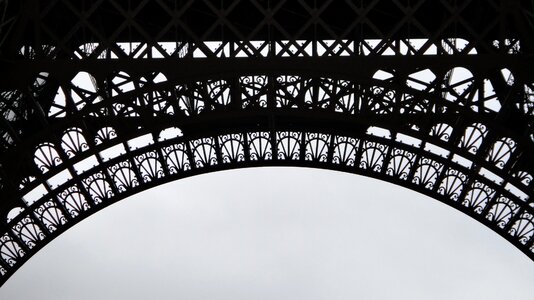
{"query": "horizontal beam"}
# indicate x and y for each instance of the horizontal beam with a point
(17, 73)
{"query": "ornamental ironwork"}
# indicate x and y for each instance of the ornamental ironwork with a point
(103, 99)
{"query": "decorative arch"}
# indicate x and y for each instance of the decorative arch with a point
(458, 158)
(377, 89)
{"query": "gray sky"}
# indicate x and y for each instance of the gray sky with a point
(276, 233)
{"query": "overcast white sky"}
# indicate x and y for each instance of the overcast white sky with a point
(276, 233)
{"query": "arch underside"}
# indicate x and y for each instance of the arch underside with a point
(434, 96)
(159, 132)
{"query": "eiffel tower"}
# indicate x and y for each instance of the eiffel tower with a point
(100, 100)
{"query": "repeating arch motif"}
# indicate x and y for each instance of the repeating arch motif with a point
(376, 88)
(370, 155)
(465, 166)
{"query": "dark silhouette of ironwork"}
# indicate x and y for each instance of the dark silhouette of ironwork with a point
(103, 99)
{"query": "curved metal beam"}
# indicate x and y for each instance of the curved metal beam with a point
(467, 166)
(118, 97)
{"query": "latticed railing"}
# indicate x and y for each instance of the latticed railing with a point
(103, 99)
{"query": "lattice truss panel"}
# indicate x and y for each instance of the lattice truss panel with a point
(246, 28)
(120, 96)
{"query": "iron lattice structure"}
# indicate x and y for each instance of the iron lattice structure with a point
(104, 99)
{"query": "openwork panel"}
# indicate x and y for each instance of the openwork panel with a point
(204, 152)
(245, 28)
(161, 90)
(232, 148)
(469, 162)
(427, 172)
(401, 163)
(290, 91)
(98, 186)
(28, 231)
(73, 201)
(441, 131)
(281, 48)
(523, 228)
(254, 91)
(524, 177)
(452, 184)
(478, 197)
(501, 152)
(373, 156)
(50, 215)
(74, 142)
(473, 137)
(47, 157)
(376, 153)
(149, 165)
(317, 147)
(201, 96)
(260, 146)
(124, 175)
(176, 158)
(10, 250)
(502, 211)
(288, 145)
(105, 134)
(345, 150)
(387, 93)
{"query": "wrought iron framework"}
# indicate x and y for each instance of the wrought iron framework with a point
(103, 99)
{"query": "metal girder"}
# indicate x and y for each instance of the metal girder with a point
(102, 99)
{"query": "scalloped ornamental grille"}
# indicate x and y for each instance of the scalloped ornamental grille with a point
(102, 99)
